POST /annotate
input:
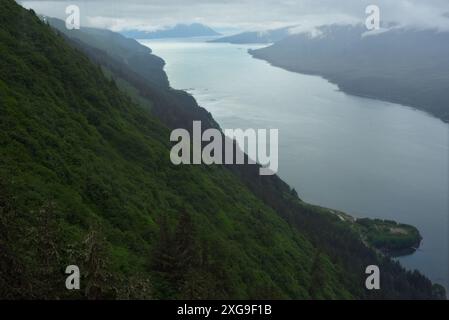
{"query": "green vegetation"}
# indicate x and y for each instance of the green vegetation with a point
(390, 237)
(81, 163)
(408, 67)
(86, 179)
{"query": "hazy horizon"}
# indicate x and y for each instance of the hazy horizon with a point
(232, 16)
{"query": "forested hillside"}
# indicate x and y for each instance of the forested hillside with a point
(404, 66)
(86, 179)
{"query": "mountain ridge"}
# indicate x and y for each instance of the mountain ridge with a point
(177, 31)
(400, 65)
(256, 37)
(85, 172)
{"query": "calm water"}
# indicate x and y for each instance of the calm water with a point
(366, 157)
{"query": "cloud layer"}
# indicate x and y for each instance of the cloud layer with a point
(246, 14)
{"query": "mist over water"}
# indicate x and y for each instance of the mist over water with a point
(366, 157)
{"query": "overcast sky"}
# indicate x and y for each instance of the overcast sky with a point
(119, 15)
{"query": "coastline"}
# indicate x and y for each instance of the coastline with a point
(408, 250)
(345, 90)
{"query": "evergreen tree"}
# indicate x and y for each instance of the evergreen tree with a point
(99, 281)
(13, 282)
(318, 278)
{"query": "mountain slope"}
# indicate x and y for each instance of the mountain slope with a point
(86, 179)
(83, 164)
(409, 67)
(137, 67)
(320, 225)
(120, 48)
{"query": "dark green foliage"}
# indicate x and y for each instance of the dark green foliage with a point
(69, 138)
(121, 49)
(390, 237)
(87, 180)
(267, 37)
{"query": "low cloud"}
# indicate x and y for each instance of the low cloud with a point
(247, 14)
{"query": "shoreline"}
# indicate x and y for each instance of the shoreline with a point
(343, 90)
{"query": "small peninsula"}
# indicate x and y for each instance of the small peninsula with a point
(387, 237)
(391, 238)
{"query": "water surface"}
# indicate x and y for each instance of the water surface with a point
(366, 157)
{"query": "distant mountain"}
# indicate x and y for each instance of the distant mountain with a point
(128, 51)
(140, 71)
(85, 177)
(409, 67)
(178, 31)
(269, 36)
